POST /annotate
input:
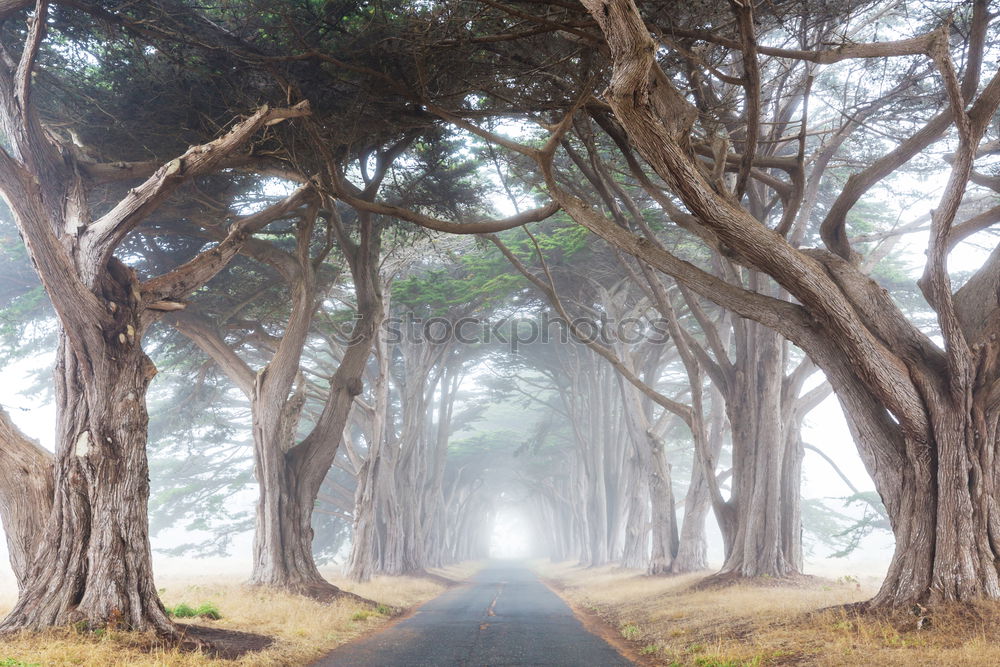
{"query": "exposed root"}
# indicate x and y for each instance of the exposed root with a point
(321, 591)
(671, 572)
(726, 579)
(957, 617)
(160, 628)
(850, 609)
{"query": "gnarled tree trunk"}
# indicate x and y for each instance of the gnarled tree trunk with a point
(94, 564)
(943, 509)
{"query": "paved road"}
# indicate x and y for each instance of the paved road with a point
(504, 616)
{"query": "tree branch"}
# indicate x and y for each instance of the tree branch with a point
(193, 274)
(106, 232)
(549, 290)
(751, 84)
(428, 222)
(25, 66)
(206, 337)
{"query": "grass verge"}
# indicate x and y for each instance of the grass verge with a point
(771, 623)
(302, 630)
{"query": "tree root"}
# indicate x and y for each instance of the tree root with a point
(726, 579)
(321, 591)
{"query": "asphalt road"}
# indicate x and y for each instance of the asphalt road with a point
(504, 616)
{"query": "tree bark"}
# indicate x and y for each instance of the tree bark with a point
(96, 542)
(636, 544)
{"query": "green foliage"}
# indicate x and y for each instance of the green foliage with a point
(631, 631)
(13, 662)
(204, 610)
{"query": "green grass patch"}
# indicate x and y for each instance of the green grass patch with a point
(204, 610)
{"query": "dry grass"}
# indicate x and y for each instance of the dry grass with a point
(303, 630)
(771, 624)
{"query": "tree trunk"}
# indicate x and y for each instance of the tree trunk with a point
(692, 549)
(791, 497)
(282, 550)
(664, 516)
(26, 491)
(943, 511)
(692, 553)
(924, 414)
(93, 564)
(94, 561)
(760, 531)
(290, 478)
(413, 483)
(635, 554)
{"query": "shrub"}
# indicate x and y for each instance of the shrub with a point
(205, 610)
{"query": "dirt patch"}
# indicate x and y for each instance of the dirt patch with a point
(222, 643)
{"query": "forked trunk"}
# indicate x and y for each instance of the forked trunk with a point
(93, 565)
(289, 480)
(282, 548)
